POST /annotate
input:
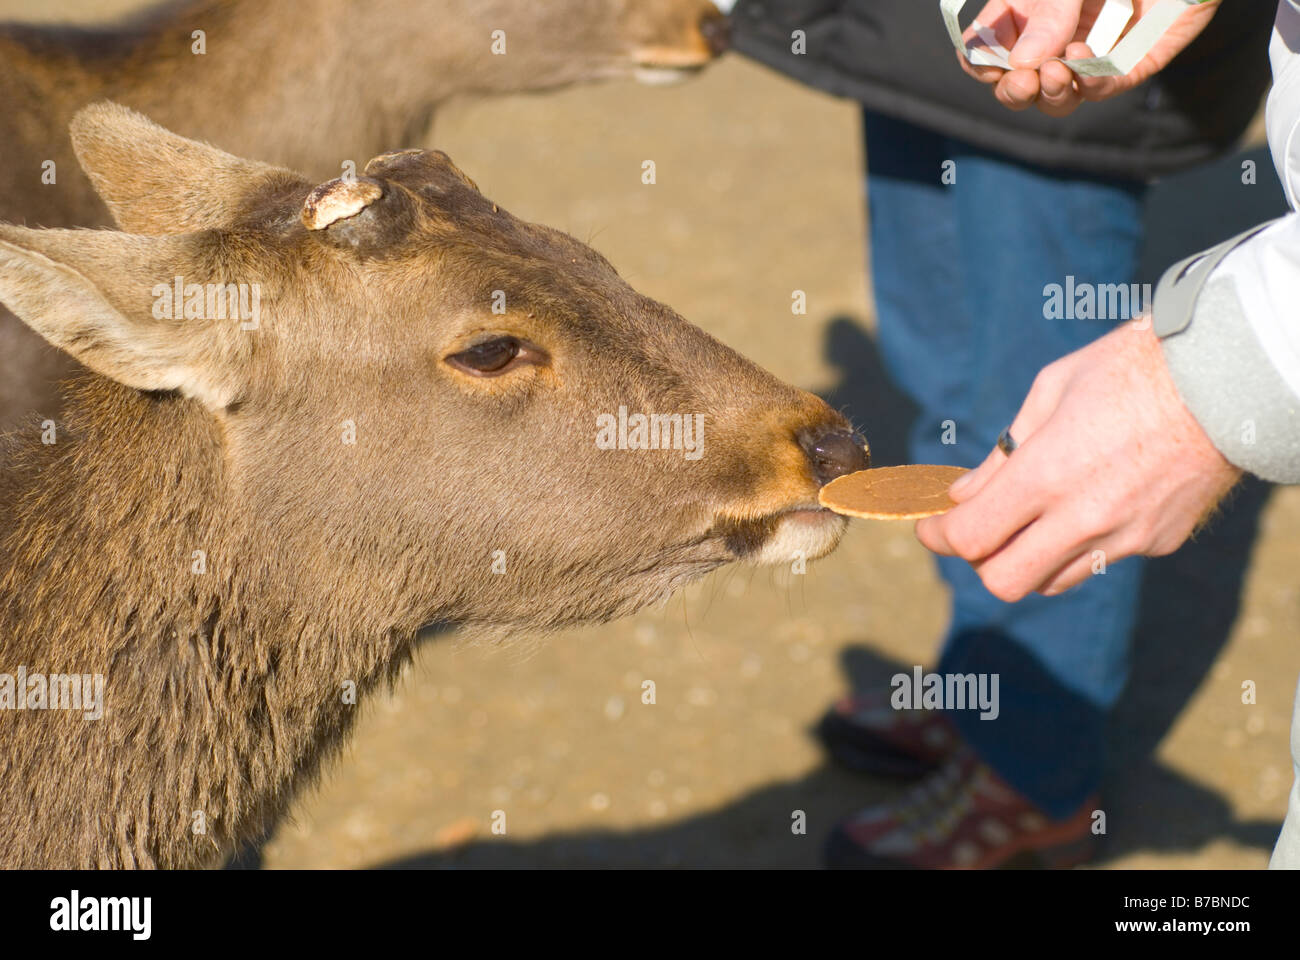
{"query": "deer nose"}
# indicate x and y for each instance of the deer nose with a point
(716, 29)
(835, 452)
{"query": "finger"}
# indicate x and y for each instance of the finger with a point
(970, 484)
(995, 17)
(1018, 89)
(1034, 412)
(1050, 29)
(989, 75)
(1001, 496)
(979, 528)
(1010, 490)
(1074, 573)
(1058, 96)
(1039, 554)
(999, 17)
(1093, 88)
(932, 534)
(1064, 108)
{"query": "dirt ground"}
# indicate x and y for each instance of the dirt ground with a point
(759, 193)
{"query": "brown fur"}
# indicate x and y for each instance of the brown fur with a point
(308, 84)
(323, 560)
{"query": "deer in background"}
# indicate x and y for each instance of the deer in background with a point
(307, 84)
(379, 451)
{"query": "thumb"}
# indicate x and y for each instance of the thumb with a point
(1050, 29)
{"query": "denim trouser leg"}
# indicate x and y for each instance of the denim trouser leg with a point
(959, 272)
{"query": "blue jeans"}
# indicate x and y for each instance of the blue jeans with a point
(959, 272)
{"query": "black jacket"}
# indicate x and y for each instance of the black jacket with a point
(894, 56)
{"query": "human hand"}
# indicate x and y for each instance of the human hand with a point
(1109, 460)
(1036, 31)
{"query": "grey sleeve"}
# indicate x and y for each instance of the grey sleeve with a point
(1221, 368)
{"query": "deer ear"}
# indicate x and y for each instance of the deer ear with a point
(96, 293)
(156, 182)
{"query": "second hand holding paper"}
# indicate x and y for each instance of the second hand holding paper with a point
(1112, 59)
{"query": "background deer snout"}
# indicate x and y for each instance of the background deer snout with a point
(716, 29)
(834, 452)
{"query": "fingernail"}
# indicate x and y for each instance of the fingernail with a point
(960, 484)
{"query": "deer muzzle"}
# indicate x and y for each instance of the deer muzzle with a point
(666, 62)
(790, 526)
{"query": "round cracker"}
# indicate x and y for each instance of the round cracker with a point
(892, 493)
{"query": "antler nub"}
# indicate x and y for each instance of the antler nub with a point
(339, 199)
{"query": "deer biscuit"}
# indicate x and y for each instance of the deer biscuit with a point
(892, 493)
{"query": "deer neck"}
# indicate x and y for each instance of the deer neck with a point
(127, 555)
(310, 85)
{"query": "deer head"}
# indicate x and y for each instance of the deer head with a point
(505, 45)
(402, 392)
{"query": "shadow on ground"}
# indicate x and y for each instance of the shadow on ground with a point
(1151, 809)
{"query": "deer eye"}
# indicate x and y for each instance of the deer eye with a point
(490, 358)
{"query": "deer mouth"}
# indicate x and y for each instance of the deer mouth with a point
(804, 532)
(670, 62)
(657, 74)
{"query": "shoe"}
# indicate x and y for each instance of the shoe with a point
(961, 817)
(868, 735)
